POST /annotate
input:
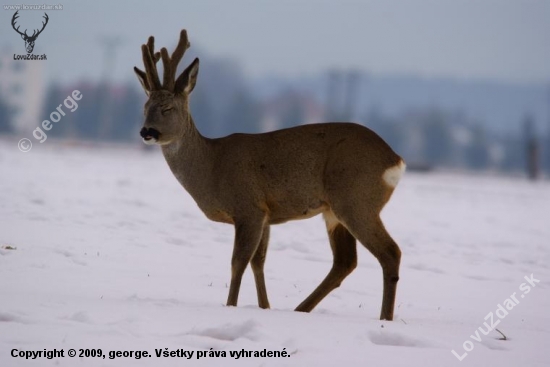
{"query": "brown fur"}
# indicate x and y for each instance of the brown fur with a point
(255, 180)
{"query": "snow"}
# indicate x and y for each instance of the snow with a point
(101, 248)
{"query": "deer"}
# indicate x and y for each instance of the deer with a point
(344, 171)
(29, 40)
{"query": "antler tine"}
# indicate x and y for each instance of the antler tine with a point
(13, 20)
(170, 64)
(36, 32)
(150, 58)
(46, 18)
(180, 49)
(168, 80)
(151, 45)
(150, 66)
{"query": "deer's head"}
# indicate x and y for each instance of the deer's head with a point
(166, 111)
(29, 40)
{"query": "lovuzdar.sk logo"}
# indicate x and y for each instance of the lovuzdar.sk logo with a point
(29, 40)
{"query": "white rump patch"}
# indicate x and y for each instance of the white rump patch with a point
(393, 174)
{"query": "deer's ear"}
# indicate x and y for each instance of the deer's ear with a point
(23, 36)
(187, 80)
(142, 77)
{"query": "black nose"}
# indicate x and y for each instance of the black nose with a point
(148, 133)
(143, 132)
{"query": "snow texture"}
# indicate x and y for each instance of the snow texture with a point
(101, 248)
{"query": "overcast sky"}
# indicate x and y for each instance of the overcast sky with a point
(507, 40)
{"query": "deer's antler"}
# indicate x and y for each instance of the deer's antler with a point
(170, 64)
(34, 35)
(150, 59)
(13, 19)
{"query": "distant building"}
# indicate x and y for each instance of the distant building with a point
(22, 87)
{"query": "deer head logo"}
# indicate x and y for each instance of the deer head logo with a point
(29, 40)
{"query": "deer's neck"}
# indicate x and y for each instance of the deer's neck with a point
(190, 158)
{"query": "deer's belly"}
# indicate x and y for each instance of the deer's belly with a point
(280, 213)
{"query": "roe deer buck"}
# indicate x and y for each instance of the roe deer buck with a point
(342, 170)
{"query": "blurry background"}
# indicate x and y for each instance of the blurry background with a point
(455, 84)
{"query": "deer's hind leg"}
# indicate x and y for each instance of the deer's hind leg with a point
(344, 251)
(370, 231)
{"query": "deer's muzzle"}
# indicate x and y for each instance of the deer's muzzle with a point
(149, 134)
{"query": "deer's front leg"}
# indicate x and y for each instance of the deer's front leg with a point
(248, 233)
(257, 265)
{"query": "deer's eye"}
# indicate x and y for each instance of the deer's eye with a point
(166, 111)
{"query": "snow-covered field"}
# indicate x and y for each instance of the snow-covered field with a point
(102, 249)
